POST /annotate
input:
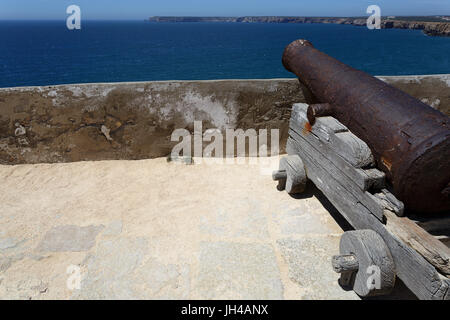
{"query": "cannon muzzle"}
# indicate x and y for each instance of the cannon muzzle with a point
(409, 139)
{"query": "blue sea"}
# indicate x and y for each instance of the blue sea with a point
(47, 53)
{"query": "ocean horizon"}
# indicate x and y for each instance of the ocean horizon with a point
(39, 53)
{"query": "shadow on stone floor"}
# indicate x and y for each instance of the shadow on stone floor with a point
(312, 191)
(400, 291)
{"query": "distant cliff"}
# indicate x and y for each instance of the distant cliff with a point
(431, 28)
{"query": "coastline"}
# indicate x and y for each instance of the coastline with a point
(430, 28)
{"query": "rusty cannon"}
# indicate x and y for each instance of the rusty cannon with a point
(410, 140)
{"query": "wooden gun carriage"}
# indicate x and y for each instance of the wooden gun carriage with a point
(342, 167)
(399, 149)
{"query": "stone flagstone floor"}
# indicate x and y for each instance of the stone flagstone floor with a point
(154, 229)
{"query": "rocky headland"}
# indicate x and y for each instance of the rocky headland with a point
(432, 28)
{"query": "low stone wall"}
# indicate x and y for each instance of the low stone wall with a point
(135, 120)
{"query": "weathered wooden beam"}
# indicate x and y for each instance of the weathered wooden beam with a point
(356, 181)
(434, 251)
(346, 183)
(339, 138)
(417, 273)
(345, 157)
(332, 172)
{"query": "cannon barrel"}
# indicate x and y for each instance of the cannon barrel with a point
(409, 139)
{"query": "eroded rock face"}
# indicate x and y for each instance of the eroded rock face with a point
(429, 28)
(136, 120)
(131, 120)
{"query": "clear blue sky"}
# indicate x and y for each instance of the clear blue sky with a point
(141, 9)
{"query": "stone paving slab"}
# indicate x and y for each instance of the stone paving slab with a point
(153, 229)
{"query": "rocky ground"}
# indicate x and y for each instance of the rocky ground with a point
(154, 229)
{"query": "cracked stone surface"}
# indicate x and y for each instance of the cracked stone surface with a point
(152, 229)
(298, 252)
(238, 271)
